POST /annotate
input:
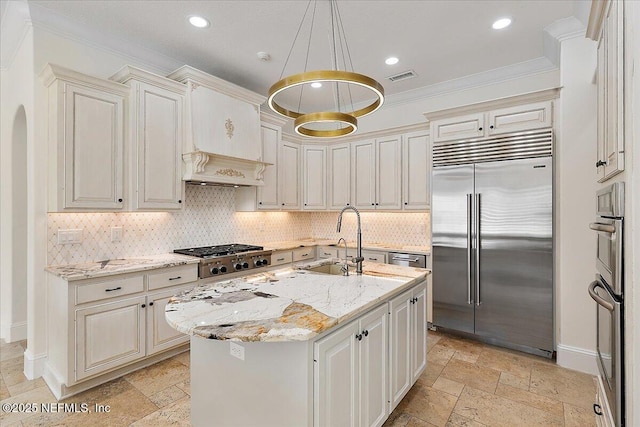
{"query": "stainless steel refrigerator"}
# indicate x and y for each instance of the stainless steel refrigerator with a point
(493, 249)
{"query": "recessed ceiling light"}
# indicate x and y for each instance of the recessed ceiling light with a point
(501, 23)
(391, 60)
(198, 21)
(316, 85)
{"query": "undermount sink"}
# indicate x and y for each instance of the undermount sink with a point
(327, 269)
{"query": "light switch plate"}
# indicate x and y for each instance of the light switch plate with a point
(69, 236)
(236, 350)
(116, 234)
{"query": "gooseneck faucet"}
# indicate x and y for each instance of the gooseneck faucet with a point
(358, 259)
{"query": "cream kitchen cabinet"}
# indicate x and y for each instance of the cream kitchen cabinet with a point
(339, 177)
(376, 173)
(101, 327)
(267, 195)
(408, 341)
(314, 177)
(368, 255)
(281, 257)
(289, 175)
(86, 141)
(326, 252)
(610, 80)
(156, 135)
(307, 253)
(416, 171)
(516, 118)
(350, 373)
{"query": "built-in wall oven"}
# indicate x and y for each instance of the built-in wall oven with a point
(608, 292)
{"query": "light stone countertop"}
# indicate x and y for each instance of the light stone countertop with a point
(289, 304)
(118, 266)
(294, 244)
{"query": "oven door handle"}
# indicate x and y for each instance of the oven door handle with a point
(602, 227)
(597, 298)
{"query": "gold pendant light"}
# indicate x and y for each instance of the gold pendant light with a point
(344, 114)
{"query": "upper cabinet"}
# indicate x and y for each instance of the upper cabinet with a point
(339, 177)
(267, 195)
(156, 135)
(376, 173)
(314, 177)
(87, 140)
(416, 171)
(289, 175)
(493, 122)
(606, 25)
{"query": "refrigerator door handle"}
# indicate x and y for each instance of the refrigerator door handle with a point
(469, 248)
(477, 224)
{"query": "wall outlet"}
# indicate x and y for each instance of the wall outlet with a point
(69, 236)
(236, 350)
(116, 234)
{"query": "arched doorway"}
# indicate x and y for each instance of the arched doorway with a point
(19, 226)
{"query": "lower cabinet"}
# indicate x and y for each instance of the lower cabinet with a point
(408, 347)
(161, 336)
(350, 373)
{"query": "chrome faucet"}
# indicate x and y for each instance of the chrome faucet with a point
(344, 268)
(358, 259)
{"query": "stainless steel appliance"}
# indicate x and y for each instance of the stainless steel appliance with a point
(492, 223)
(407, 260)
(224, 259)
(607, 292)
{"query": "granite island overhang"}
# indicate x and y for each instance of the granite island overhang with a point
(265, 376)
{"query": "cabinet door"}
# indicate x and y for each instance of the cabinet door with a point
(289, 175)
(93, 148)
(339, 176)
(462, 127)
(520, 118)
(363, 174)
(336, 378)
(419, 331)
(388, 173)
(374, 368)
(400, 373)
(158, 148)
(161, 336)
(602, 104)
(314, 177)
(109, 336)
(614, 88)
(268, 194)
(416, 170)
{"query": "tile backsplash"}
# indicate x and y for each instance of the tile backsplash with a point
(209, 218)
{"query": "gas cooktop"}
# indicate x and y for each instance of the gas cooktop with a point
(218, 250)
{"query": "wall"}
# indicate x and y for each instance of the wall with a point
(576, 179)
(209, 218)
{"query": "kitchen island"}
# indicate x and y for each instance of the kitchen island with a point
(304, 348)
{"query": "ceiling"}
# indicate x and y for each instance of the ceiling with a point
(438, 40)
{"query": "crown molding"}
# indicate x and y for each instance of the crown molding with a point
(509, 101)
(52, 72)
(128, 73)
(596, 18)
(14, 27)
(272, 119)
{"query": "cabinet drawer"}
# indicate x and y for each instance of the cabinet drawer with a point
(278, 258)
(109, 289)
(380, 257)
(327, 251)
(303, 254)
(172, 276)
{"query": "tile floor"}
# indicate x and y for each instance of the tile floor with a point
(466, 384)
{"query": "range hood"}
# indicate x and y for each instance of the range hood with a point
(206, 168)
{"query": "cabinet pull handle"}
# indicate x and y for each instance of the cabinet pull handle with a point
(600, 163)
(113, 289)
(597, 409)
(279, 259)
(366, 333)
(359, 337)
(151, 303)
(144, 305)
(175, 278)
(303, 255)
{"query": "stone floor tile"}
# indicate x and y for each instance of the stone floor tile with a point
(514, 381)
(184, 358)
(535, 400)
(45, 419)
(11, 351)
(159, 376)
(440, 355)
(185, 386)
(38, 395)
(562, 384)
(4, 391)
(12, 371)
(432, 339)
(472, 375)
(456, 420)
(575, 416)
(428, 404)
(505, 361)
(167, 396)
(448, 386)
(26, 385)
(492, 410)
(101, 393)
(417, 422)
(397, 419)
(176, 414)
(461, 344)
(430, 375)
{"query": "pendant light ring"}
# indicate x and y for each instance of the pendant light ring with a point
(335, 76)
(325, 117)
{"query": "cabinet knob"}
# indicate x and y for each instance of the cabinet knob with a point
(377, 204)
(491, 127)
(406, 203)
(144, 305)
(259, 203)
(347, 204)
(479, 128)
(283, 204)
(372, 204)
(151, 303)
(600, 163)
(119, 200)
(359, 337)
(366, 333)
(305, 204)
(179, 201)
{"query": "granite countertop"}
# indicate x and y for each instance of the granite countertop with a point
(294, 244)
(117, 266)
(289, 304)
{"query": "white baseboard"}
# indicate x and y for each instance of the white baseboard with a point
(14, 331)
(577, 359)
(34, 364)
